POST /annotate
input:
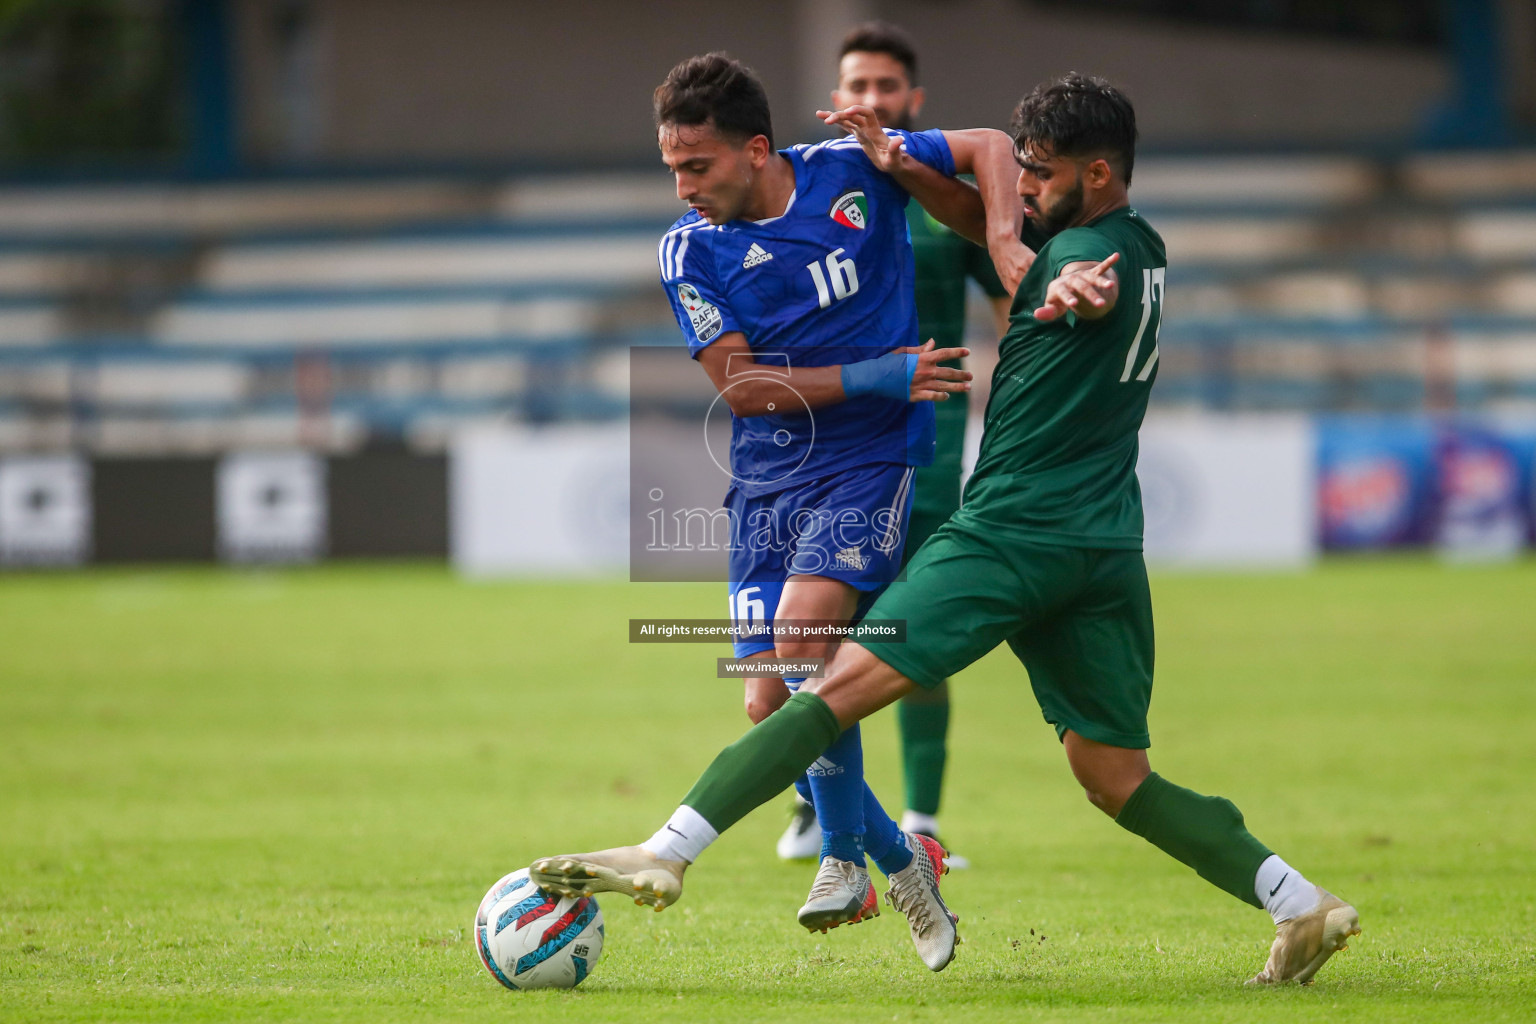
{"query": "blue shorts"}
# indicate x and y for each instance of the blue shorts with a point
(850, 527)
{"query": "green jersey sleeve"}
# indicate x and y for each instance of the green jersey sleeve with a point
(1078, 245)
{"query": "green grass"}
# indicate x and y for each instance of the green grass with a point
(280, 797)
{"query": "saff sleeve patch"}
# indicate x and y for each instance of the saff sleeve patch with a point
(702, 314)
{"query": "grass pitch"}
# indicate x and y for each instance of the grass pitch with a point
(280, 796)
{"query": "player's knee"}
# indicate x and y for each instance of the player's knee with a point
(1107, 802)
(1110, 791)
(1108, 786)
(759, 709)
(1108, 774)
(801, 650)
(762, 696)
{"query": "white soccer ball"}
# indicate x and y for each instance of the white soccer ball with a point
(529, 938)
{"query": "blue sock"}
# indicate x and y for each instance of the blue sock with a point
(837, 790)
(882, 837)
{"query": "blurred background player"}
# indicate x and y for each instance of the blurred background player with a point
(791, 279)
(877, 68)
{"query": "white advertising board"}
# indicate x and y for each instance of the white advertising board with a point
(550, 502)
(1219, 492)
(45, 510)
(271, 507)
(1229, 491)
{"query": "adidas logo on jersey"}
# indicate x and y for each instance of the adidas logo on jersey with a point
(756, 255)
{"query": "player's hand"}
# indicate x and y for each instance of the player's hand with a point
(1012, 260)
(885, 152)
(932, 382)
(1089, 292)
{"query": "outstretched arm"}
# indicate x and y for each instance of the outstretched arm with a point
(1089, 290)
(986, 153)
(751, 388)
(954, 203)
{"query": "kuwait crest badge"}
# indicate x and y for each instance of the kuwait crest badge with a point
(851, 210)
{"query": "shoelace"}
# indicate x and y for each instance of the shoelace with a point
(906, 896)
(843, 873)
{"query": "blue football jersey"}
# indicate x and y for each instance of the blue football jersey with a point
(827, 282)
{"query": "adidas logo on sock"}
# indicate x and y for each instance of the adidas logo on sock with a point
(823, 766)
(755, 255)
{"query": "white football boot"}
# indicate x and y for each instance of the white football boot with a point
(802, 839)
(915, 892)
(928, 825)
(1305, 942)
(952, 860)
(841, 894)
(632, 870)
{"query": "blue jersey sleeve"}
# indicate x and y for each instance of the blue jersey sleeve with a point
(928, 147)
(687, 276)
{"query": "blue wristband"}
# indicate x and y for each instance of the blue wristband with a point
(888, 376)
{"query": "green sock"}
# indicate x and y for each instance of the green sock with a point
(923, 718)
(764, 762)
(1204, 832)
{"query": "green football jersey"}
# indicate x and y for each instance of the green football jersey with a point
(944, 262)
(1058, 456)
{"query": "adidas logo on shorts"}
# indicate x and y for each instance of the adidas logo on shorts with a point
(756, 255)
(851, 558)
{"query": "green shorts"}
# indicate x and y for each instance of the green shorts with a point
(1080, 619)
(923, 524)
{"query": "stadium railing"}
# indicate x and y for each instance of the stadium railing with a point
(337, 313)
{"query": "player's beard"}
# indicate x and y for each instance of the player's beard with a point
(901, 122)
(1060, 216)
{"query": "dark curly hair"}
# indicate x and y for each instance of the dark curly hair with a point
(716, 90)
(1078, 116)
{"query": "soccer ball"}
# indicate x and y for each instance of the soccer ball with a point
(528, 938)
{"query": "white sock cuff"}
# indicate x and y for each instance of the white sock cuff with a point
(1283, 890)
(913, 821)
(685, 835)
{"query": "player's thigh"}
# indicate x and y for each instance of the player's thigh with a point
(960, 598)
(811, 612)
(1090, 664)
